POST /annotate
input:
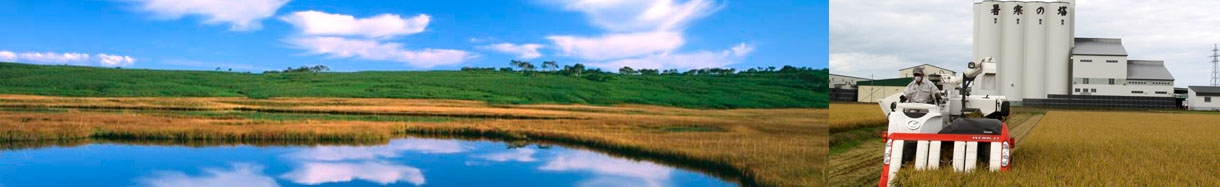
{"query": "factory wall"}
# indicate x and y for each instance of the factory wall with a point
(1195, 102)
(870, 94)
(908, 72)
(1088, 66)
(1122, 87)
(843, 82)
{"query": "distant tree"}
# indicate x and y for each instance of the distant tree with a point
(526, 67)
(550, 65)
(580, 68)
(230, 69)
(788, 69)
(217, 68)
(626, 71)
(506, 69)
(648, 72)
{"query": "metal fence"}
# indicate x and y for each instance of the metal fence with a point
(837, 94)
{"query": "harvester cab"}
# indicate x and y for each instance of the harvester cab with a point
(970, 126)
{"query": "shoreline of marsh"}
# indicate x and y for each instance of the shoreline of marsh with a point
(787, 148)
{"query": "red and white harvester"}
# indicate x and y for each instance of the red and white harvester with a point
(970, 127)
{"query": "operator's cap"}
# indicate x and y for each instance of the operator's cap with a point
(918, 70)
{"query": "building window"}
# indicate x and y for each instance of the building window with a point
(1077, 89)
(1111, 61)
(1207, 99)
(1085, 60)
(1086, 80)
(1162, 92)
(1111, 81)
(1137, 92)
(1094, 90)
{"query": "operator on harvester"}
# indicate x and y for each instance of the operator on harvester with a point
(920, 90)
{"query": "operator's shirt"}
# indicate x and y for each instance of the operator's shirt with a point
(920, 93)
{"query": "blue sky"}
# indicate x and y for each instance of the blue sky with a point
(257, 35)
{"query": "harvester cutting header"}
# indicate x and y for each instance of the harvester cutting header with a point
(941, 109)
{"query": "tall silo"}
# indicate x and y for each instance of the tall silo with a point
(1058, 46)
(1035, 54)
(1012, 56)
(974, 50)
(987, 39)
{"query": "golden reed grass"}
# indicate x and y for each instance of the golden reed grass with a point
(765, 147)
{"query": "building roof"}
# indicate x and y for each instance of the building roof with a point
(1206, 90)
(849, 76)
(886, 82)
(927, 65)
(1148, 70)
(1099, 46)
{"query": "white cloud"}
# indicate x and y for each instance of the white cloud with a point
(8, 56)
(241, 15)
(616, 46)
(379, 26)
(516, 155)
(238, 175)
(693, 60)
(115, 60)
(641, 15)
(99, 59)
(941, 32)
(868, 65)
(523, 51)
(55, 57)
(378, 172)
(642, 33)
(880, 37)
(374, 50)
(605, 167)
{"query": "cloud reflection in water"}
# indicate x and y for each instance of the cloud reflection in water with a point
(377, 172)
(250, 175)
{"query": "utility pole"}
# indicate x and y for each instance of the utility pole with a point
(1215, 65)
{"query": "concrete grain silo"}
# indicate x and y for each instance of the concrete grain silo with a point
(1012, 55)
(987, 40)
(1035, 52)
(1058, 46)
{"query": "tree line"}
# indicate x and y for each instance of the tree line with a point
(814, 76)
(302, 69)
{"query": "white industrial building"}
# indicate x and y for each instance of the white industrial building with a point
(927, 68)
(1039, 59)
(1203, 98)
(844, 81)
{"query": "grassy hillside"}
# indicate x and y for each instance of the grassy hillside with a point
(774, 90)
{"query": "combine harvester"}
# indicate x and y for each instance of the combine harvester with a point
(970, 125)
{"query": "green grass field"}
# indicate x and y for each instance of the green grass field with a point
(775, 90)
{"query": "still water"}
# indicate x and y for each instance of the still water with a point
(402, 162)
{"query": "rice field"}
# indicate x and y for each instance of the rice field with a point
(765, 147)
(848, 116)
(1097, 148)
(858, 162)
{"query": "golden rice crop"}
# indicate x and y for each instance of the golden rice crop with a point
(845, 117)
(1083, 148)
